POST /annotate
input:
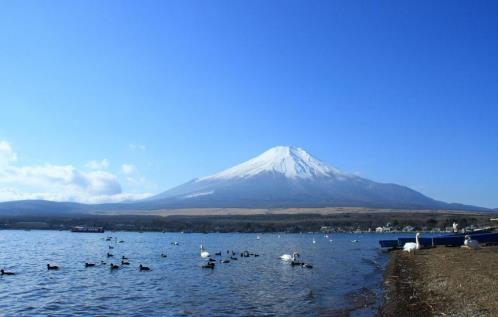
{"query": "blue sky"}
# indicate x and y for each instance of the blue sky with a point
(160, 92)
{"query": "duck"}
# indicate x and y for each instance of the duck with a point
(224, 261)
(123, 262)
(218, 253)
(3, 272)
(211, 260)
(210, 265)
(52, 267)
(256, 255)
(412, 246)
(296, 262)
(114, 266)
(111, 247)
(124, 258)
(354, 241)
(103, 262)
(470, 243)
(109, 255)
(89, 264)
(204, 253)
(164, 255)
(174, 243)
(233, 258)
(143, 268)
(307, 265)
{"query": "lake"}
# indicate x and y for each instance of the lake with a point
(346, 278)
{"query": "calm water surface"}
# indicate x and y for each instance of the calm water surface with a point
(346, 278)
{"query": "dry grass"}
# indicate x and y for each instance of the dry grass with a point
(443, 282)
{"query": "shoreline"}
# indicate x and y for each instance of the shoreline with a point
(442, 281)
(292, 223)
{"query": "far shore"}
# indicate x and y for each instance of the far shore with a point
(259, 220)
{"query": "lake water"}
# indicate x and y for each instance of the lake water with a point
(346, 279)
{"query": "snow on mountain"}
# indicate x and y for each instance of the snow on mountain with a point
(292, 162)
(286, 176)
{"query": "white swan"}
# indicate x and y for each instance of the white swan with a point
(289, 258)
(204, 253)
(412, 246)
(314, 241)
(471, 244)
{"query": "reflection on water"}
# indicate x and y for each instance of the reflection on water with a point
(345, 280)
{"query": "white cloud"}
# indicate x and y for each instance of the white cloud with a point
(9, 194)
(128, 169)
(7, 155)
(136, 147)
(97, 165)
(59, 182)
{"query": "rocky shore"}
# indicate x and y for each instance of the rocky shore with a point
(442, 281)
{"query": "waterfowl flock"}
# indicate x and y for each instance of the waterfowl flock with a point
(210, 263)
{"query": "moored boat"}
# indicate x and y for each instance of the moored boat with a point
(87, 229)
(486, 237)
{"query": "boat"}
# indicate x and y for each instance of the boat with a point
(456, 239)
(87, 229)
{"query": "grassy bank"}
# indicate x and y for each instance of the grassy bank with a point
(442, 282)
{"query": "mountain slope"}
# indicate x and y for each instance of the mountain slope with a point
(282, 177)
(290, 177)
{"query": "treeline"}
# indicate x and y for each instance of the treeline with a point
(253, 223)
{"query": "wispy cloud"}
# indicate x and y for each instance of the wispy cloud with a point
(128, 169)
(97, 165)
(59, 182)
(136, 147)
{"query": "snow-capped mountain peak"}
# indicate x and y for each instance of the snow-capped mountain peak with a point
(292, 162)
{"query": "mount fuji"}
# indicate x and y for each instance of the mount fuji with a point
(284, 177)
(281, 177)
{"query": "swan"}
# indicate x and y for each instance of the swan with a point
(314, 241)
(289, 258)
(471, 244)
(258, 237)
(412, 246)
(204, 253)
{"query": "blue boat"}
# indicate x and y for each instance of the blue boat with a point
(457, 239)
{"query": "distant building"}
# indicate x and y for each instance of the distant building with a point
(326, 229)
(408, 229)
(383, 229)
